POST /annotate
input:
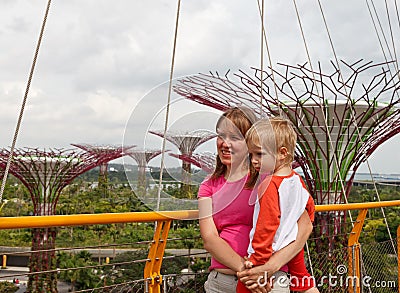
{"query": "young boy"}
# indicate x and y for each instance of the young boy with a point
(282, 199)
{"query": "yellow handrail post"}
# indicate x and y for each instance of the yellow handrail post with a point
(398, 258)
(354, 253)
(4, 261)
(156, 253)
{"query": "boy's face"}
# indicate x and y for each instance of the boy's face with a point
(262, 160)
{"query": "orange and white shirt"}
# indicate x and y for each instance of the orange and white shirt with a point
(281, 201)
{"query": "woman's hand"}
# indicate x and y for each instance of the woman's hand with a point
(256, 279)
(260, 289)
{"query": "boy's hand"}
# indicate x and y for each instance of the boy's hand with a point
(254, 279)
(247, 263)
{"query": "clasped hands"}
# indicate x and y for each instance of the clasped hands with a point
(256, 279)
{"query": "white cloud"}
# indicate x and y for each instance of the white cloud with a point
(99, 57)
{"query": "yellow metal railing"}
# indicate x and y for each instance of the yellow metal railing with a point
(93, 219)
(164, 219)
(157, 247)
(354, 247)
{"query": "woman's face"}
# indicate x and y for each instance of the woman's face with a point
(231, 145)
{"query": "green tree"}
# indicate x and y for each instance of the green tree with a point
(130, 265)
(82, 278)
(188, 236)
(7, 287)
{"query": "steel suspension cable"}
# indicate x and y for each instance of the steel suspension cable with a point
(376, 30)
(397, 13)
(392, 38)
(383, 35)
(269, 56)
(21, 113)
(379, 38)
(352, 112)
(261, 54)
(309, 259)
(322, 109)
(171, 74)
(381, 29)
(325, 121)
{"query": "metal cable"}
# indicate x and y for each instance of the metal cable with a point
(352, 112)
(383, 34)
(171, 74)
(21, 113)
(381, 28)
(322, 110)
(261, 55)
(269, 58)
(309, 260)
(392, 38)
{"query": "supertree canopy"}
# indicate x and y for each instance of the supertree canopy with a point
(45, 173)
(142, 158)
(205, 161)
(340, 117)
(106, 151)
(186, 142)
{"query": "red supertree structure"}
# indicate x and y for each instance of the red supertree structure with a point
(45, 173)
(186, 142)
(341, 117)
(103, 150)
(142, 158)
(205, 161)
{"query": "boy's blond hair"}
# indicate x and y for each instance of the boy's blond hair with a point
(271, 135)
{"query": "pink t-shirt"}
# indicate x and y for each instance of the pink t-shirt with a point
(232, 212)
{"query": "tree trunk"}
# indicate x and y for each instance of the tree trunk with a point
(43, 258)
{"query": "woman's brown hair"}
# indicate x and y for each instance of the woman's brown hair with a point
(242, 118)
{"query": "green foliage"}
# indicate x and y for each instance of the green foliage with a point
(84, 278)
(7, 287)
(130, 265)
(375, 229)
(368, 194)
(175, 190)
(381, 266)
(79, 197)
(15, 238)
(188, 236)
(200, 265)
(377, 261)
(16, 199)
(326, 255)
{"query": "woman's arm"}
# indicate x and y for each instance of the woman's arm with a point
(214, 244)
(281, 257)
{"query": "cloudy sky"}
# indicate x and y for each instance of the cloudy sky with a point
(103, 66)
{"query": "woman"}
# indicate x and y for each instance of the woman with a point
(226, 215)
